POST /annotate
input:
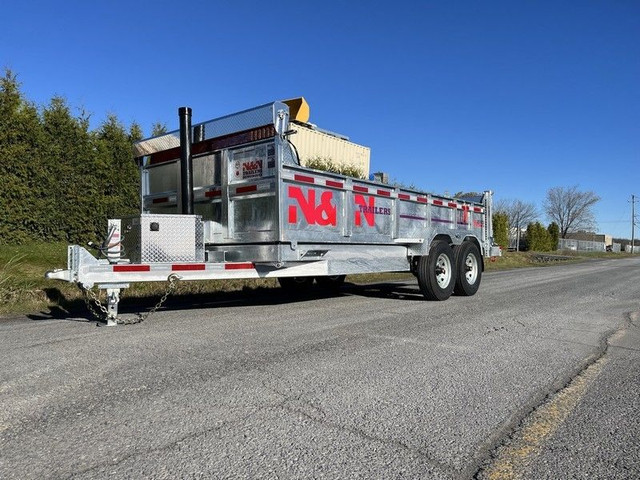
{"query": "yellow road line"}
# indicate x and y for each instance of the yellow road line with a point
(512, 459)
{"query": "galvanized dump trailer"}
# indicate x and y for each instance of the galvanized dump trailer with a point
(228, 199)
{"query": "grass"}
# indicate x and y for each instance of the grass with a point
(510, 260)
(23, 288)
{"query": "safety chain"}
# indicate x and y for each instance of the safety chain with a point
(90, 296)
(92, 299)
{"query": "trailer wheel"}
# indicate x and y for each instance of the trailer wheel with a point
(296, 284)
(333, 282)
(436, 272)
(468, 269)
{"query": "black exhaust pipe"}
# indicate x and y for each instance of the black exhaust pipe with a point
(186, 161)
(198, 133)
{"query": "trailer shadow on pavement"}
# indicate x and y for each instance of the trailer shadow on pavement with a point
(77, 311)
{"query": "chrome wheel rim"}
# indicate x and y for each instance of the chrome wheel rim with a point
(443, 270)
(471, 269)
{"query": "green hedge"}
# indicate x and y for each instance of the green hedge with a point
(61, 181)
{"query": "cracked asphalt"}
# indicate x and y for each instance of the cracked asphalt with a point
(373, 382)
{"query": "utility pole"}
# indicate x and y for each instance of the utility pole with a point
(633, 222)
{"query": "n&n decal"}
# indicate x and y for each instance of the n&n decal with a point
(321, 213)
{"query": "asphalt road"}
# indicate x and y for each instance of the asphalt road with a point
(537, 376)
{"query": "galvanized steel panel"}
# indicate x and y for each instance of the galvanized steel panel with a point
(372, 218)
(254, 214)
(412, 219)
(312, 213)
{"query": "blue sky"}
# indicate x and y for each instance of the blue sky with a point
(513, 96)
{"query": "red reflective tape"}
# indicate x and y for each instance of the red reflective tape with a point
(238, 266)
(422, 199)
(477, 209)
(384, 193)
(247, 189)
(453, 205)
(331, 183)
(437, 202)
(187, 266)
(403, 196)
(304, 178)
(213, 193)
(357, 188)
(131, 268)
(160, 200)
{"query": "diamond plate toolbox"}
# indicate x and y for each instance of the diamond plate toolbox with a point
(151, 238)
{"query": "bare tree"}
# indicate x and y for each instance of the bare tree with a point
(571, 209)
(519, 213)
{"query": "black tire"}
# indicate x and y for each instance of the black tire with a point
(333, 282)
(296, 284)
(468, 269)
(436, 272)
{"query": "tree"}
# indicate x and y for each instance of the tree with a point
(468, 195)
(71, 162)
(501, 229)
(158, 129)
(554, 233)
(571, 209)
(61, 181)
(135, 133)
(23, 196)
(519, 214)
(539, 238)
(328, 165)
(119, 184)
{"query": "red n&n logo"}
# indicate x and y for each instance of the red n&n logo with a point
(322, 214)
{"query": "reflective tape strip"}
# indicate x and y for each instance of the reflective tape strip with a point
(247, 189)
(358, 188)
(303, 178)
(238, 266)
(183, 267)
(331, 183)
(131, 268)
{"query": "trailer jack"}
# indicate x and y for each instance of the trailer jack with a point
(109, 313)
(113, 298)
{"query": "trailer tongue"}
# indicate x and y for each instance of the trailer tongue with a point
(228, 199)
